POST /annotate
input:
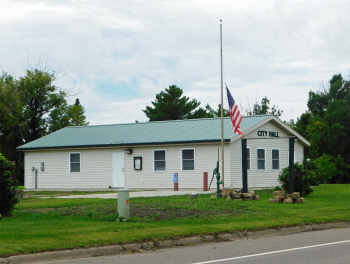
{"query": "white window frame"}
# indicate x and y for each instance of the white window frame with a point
(257, 159)
(279, 158)
(154, 160)
(248, 159)
(70, 162)
(194, 159)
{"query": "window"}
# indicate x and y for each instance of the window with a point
(188, 159)
(261, 159)
(74, 162)
(275, 159)
(159, 160)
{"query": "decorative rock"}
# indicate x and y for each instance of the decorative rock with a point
(240, 192)
(253, 193)
(300, 200)
(257, 197)
(295, 195)
(288, 200)
(236, 195)
(248, 196)
(231, 192)
(223, 193)
(228, 198)
(226, 193)
(279, 194)
(273, 200)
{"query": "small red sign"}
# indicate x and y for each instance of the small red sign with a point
(127, 201)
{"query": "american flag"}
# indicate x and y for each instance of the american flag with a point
(235, 114)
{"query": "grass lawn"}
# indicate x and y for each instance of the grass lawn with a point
(51, 224)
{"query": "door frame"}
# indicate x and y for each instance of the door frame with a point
(116, 182)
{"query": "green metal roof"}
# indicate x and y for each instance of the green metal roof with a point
(161, 132)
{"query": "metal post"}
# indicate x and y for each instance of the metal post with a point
(176, 181)
(222, 110)
(123, 203)
(244, 165)
(218, 182)
(36, 178)
(291, 165)
(205, 181)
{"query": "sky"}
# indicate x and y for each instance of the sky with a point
(115, 56)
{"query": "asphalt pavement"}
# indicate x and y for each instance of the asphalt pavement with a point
(321, 247)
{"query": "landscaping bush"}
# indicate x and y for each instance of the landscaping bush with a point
(301, 179)
(8, 187)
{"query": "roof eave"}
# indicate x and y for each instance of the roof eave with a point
(124, 144)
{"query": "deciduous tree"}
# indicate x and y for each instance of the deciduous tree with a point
(31, 107)
(67, 115)
(327, 125)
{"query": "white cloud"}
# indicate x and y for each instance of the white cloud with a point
(121, 53)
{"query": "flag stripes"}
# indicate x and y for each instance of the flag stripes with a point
(235, 114)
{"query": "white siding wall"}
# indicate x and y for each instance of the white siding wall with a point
(96, 167)
(205, 161)
(268, 177)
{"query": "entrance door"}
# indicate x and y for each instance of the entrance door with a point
(118, 177)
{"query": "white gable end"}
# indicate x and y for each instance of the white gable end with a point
(268, 146)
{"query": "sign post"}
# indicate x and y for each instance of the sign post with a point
(244, 166)
(291, 165)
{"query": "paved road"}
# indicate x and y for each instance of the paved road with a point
(321, 247)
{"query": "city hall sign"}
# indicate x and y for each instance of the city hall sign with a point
(262, 133)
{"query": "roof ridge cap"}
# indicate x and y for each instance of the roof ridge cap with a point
(165, 121)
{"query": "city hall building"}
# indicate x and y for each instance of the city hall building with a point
(146, 155)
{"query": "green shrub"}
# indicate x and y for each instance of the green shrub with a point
(326, 168)
(311, 168)
(332, 169)
(301, 179)
(8, 187)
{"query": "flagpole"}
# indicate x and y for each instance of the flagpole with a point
(222, 110)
